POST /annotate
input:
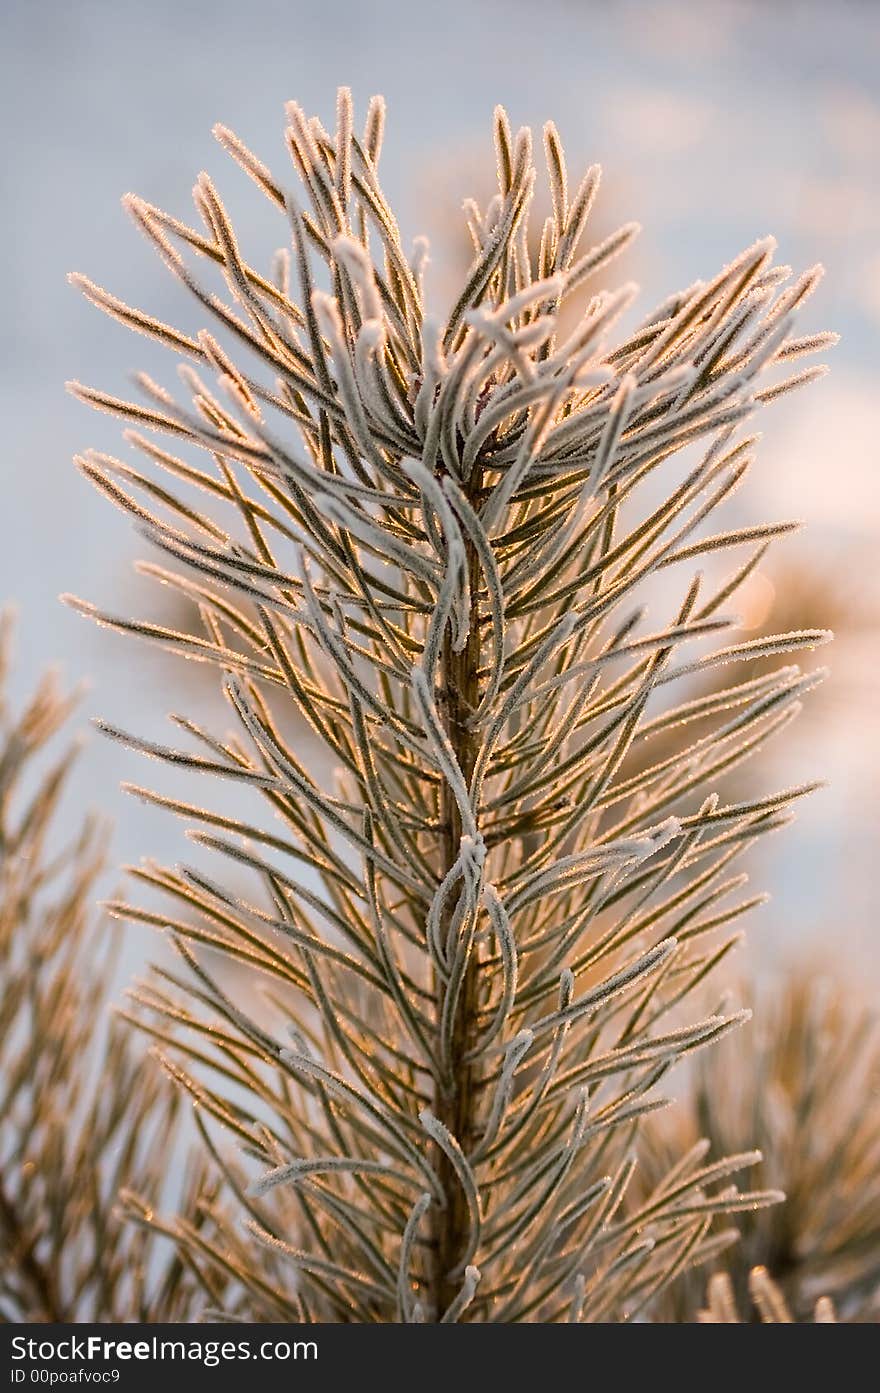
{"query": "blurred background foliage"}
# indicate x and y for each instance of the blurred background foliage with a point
(85, 1115)
(802, 1084)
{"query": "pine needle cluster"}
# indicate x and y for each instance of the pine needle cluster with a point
(767, 1301)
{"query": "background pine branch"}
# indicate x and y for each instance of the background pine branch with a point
(82, 1114)
(802, 1086)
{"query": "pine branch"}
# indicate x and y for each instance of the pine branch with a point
(444, 986)
(807, 1073)
(80, 1113)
